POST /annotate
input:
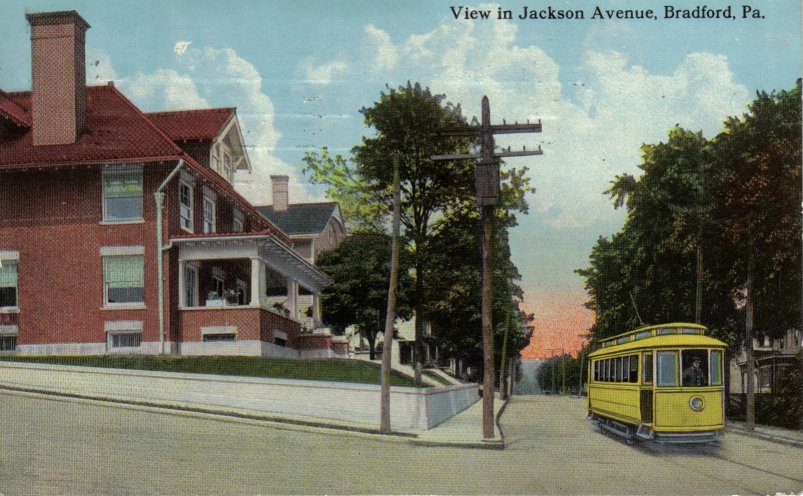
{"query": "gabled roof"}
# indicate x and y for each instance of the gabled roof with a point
(203, 124)
(13, 112)
(301, 218)
(115, 131)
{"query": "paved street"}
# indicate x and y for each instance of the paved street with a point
(58, 447)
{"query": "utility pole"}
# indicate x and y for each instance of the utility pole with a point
(390, 314)
(487, 188)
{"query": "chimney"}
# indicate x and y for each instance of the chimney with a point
(279, 192)
(58, 75)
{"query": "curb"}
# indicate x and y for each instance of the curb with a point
(285, 423)
(767, 437)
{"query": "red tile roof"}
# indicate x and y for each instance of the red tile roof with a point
(116, 131)
(13, 112)
(202, 124)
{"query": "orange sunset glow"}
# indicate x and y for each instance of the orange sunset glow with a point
(560, 322)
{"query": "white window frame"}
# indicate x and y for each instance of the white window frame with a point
(185, 213)
(219, 281)
(238, 224)
(214, 159)
(209, 215)
(107, 253)
(110, 171)
(190, 296)
(8, 258)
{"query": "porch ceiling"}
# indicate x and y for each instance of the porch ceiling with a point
(268, 248)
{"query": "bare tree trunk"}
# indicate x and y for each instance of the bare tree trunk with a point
(390, 315)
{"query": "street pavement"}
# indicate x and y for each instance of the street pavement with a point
(51, 445)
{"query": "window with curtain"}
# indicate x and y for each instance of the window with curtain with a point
(122, 193)
(124, 279)
(8, 283)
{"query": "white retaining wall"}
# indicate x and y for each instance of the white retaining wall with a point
(411, 408)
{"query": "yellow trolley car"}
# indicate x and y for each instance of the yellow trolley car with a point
(662, 383)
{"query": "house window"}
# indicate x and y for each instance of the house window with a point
(124, 279)
(123, 334)
(122, 193)
(215, 159)
(238, 225)
(219, 333)
(218, 281)
(8, 343)
(125, 339)
(185, 205)
(8, 284)
(190, 286)
(227, 169)
(209, 215)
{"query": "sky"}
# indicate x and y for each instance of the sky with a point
(298, 72)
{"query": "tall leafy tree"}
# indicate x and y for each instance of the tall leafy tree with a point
(360, 268)
(698, 196)
(438, 209)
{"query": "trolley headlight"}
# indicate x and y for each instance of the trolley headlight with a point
(696, 403)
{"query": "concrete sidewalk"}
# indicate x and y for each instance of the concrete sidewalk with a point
(769, 433)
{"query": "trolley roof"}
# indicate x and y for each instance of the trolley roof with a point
(674, 334)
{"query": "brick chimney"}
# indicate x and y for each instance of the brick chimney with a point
(59, 76)
(280, 200)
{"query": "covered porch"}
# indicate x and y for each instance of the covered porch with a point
(239, 294)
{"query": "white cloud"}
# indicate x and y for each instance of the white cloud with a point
(165, 89)
(593, 129)
(324, 74)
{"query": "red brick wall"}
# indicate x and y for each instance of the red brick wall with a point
(251, 323)
(53, 219)
(314, 342)
(245, 319)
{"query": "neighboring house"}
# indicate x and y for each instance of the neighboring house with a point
(314, 228)
(120, 231)
(772, 357)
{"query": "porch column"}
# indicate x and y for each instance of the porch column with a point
(182, 283)
(292, 297)
(316, 309)
(257, 282)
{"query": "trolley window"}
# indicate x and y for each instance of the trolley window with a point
(633, 368)
(695, 367)
(618, 376)
(716, 368)
(666, 362)
(646, 368)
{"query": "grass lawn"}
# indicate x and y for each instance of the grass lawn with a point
(336, 370)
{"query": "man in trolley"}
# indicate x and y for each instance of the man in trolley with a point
(694, 375)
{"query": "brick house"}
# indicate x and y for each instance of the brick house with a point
(120, 231)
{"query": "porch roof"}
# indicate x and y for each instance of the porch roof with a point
(270, 249)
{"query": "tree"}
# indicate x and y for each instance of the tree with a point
(736, 198)
(360, 268)
(438, 209)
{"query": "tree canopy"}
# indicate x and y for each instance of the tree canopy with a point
(707, 201)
